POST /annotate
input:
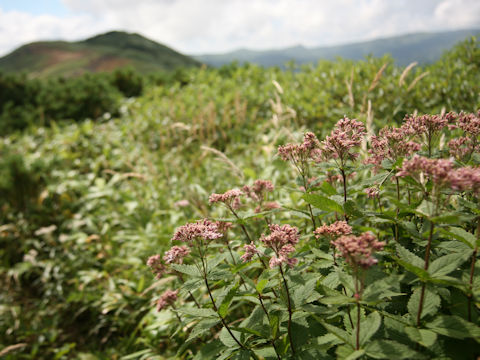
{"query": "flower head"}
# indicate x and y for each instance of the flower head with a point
(280, 235)
(250, 251)
(438, 170)
(465, 179)
(204, 229)
(176, 254)
(338, 228)
(257, 191)
(274, 261)
(346, 135)
(155, 263)
(167, 299)
(358, 250)
(299, 153)
(231, 198)
(372, 192)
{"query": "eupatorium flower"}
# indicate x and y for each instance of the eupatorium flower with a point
(231, 198)
(282, 241)
(426, 124)
(176, 254)
(465, 179)
(167, 299)
(298, 153)
(372, 192)
(250, 251)
(346, 135)
(437, 170)
(358, 250)
(336, 229)
(470, 123)
(257, 191)
(155, 263)
(204, 229)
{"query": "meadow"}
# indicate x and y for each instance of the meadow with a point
(276, 225)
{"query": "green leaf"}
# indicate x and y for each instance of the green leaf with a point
(454, 326)
(337, 300)
(446, 264)
(409, 257)
(431, 302)
(227, 339)
(227, 300)
(422, 336)
(421, 273)
(261, 285)
(351, 208)
(198, 312)
(187, 269)
(323, 203)
(462, 235)
(202, 327)
(388, 349)
(426, 208)
(369, 326)
(274, 324)
(339, 333)
(328, 189)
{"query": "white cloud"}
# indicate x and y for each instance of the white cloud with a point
(199, 26)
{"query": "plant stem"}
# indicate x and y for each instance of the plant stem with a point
(357, 335)
(344, 177)
(272, 341)
(244, 229)
(289, 310)
(305, 185)
(472, 273)
(427, 259)
(398, 209)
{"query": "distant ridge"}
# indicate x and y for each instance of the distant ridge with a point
(105, 52)
(420, 47)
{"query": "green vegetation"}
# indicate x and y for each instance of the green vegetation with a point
(102, 53)
(84, 204)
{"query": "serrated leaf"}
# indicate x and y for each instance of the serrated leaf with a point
(462, 235)
(409, 257)
(337, 300)
(454, 326)
(227, 339)
(198, 312)
(261, 285)
(446, 264)
(426, 208)
(431, 302)
(187, 269)
(422, 336)
(369, 326)
(227, 300)
(421, 273)
(323, 203)
(339, 333)
(388, 349)
(202, 327)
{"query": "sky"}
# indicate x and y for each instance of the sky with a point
(216, 26)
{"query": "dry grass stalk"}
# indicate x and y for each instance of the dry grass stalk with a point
(349, 83)
(224, 159)
(405, 72)
(417, 79)
(368, 125)
(377, 77)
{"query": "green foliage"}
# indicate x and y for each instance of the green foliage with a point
(85, 204)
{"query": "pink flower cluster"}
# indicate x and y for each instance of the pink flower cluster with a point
(438, 170)
(358, 250)
(391, 144)
(462, 146)
(470, 123)
(427, 124)
(372, 192)
(257, 191)
(299, 153)
(176, 254)
(282, 240)
(204, 229)
(223, 226)
(250, 251)
(155, 263)
(466, 179)
(338, 228)
(231, 198)
(167, 298)
(346, 134)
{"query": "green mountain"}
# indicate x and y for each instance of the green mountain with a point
(420, 47)
(105, 52)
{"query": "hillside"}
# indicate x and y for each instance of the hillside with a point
(105, 52)
(420, 47)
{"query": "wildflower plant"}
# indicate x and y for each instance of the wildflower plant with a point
(398, 280)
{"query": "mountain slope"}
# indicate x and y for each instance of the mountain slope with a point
(105, 52)
(421, 47)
